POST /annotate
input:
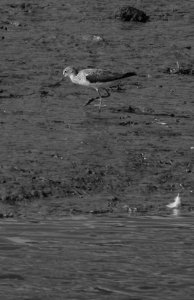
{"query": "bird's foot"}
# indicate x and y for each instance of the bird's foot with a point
(100, 105)
(90, 101)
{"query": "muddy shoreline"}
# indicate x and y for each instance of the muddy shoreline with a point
(58, 158)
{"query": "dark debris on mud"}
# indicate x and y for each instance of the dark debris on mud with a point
(128, 14)
(180, 70)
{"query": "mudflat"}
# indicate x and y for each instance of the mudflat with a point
(58, 157)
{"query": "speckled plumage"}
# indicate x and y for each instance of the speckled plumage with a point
(94, 78)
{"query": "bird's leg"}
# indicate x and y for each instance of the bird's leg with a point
(100, 100)
(90, 101)
(107, 92)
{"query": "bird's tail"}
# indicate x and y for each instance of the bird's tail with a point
(129, 74)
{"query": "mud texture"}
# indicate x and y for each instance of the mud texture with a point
(58, 157)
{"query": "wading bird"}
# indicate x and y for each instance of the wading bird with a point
(97, 79)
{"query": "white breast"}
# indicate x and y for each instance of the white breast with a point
(79, 79)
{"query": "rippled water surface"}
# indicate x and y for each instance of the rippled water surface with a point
(98, 258)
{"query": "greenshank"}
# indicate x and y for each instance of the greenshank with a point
(97, 79)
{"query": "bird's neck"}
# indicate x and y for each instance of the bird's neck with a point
(72, 75)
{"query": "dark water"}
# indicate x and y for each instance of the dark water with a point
(98, 258)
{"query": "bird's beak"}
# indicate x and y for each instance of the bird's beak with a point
(56, 83)
(60, 80)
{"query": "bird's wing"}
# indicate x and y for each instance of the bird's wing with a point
(98, 75)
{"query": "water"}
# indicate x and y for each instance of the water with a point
(98, 258)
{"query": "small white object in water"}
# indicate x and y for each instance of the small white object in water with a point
(161, 123)
(176, 203)
(176, 212)
(92, 38)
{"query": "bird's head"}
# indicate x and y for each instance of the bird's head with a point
(68, 71)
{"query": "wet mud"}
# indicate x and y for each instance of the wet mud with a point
(58, 157)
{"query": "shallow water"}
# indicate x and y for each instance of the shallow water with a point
(98, 258)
